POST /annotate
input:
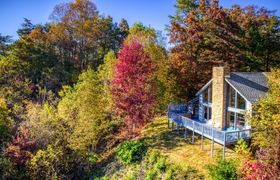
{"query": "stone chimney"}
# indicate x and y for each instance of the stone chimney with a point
(219, 96)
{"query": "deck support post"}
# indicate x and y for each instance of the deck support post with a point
(185, 135)
(193, 133)
(168, 123)
(224, 151)
(212, 147)
(202, 137)
(224, 146)
(172, 125)
(178, 128)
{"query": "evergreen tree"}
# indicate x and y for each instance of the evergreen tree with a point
(4, 43)
(124, 29)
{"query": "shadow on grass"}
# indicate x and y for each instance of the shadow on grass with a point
(106, 167)
(157, 135)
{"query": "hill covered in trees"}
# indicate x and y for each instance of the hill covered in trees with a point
(80, 90)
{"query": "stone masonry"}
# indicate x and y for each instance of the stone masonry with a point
(219, 96)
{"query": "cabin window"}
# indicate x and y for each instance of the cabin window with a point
(231, 96)
(240, 121)
(205, 113)
(241, 103)
(207, 94)
(210, 113)
(230, 119)
(235, 100)
(236, 109)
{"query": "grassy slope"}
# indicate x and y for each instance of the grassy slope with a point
(179, 150)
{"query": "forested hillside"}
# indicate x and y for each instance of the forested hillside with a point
(79, 91)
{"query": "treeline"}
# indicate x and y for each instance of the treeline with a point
(71, 89)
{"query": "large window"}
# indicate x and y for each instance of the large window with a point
(207, 113)
(241, 103)
(230, 119)
(207, 95)
(240, 121)
(235, 100)
(231, 96)
(236, 109)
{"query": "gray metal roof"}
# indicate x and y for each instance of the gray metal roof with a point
(252, 85)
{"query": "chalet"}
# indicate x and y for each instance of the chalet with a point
(222, 107)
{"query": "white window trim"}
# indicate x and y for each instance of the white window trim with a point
(236, 110)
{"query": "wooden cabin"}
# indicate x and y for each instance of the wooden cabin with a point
(221, 108)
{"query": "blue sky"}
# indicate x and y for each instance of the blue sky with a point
(150, 12)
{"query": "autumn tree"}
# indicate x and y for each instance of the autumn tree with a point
(19, 151)
(133, 90)
(149, 39)
(266, 134)
(80, 127)
(105, 75)
(46, 164)
(81, 35)
(206, 35)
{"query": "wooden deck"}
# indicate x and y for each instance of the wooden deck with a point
(177, 115)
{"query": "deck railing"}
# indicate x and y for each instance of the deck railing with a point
(222, 137)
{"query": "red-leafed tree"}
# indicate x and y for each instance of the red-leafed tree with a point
(133, 89)
(19, 151)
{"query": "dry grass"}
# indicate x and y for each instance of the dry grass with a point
(179, 150)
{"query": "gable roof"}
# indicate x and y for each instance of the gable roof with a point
(252, 85)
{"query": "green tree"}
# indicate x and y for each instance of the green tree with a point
(266, 134)
(124, 29)
(183, 7)
(14, 85)
(26, 27)
(83, 109)
(223, 169)
(4, 43)
(45, 164)
(5, 123)
(105, 75)
(79, 126)
(265, 121)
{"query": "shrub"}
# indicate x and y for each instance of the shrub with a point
(155, 166)
(223, 170)
(161, 163)
(131, 151)
(258, 170)
(242, 148)
(151, 174)
(177, 172)
(131, 174)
